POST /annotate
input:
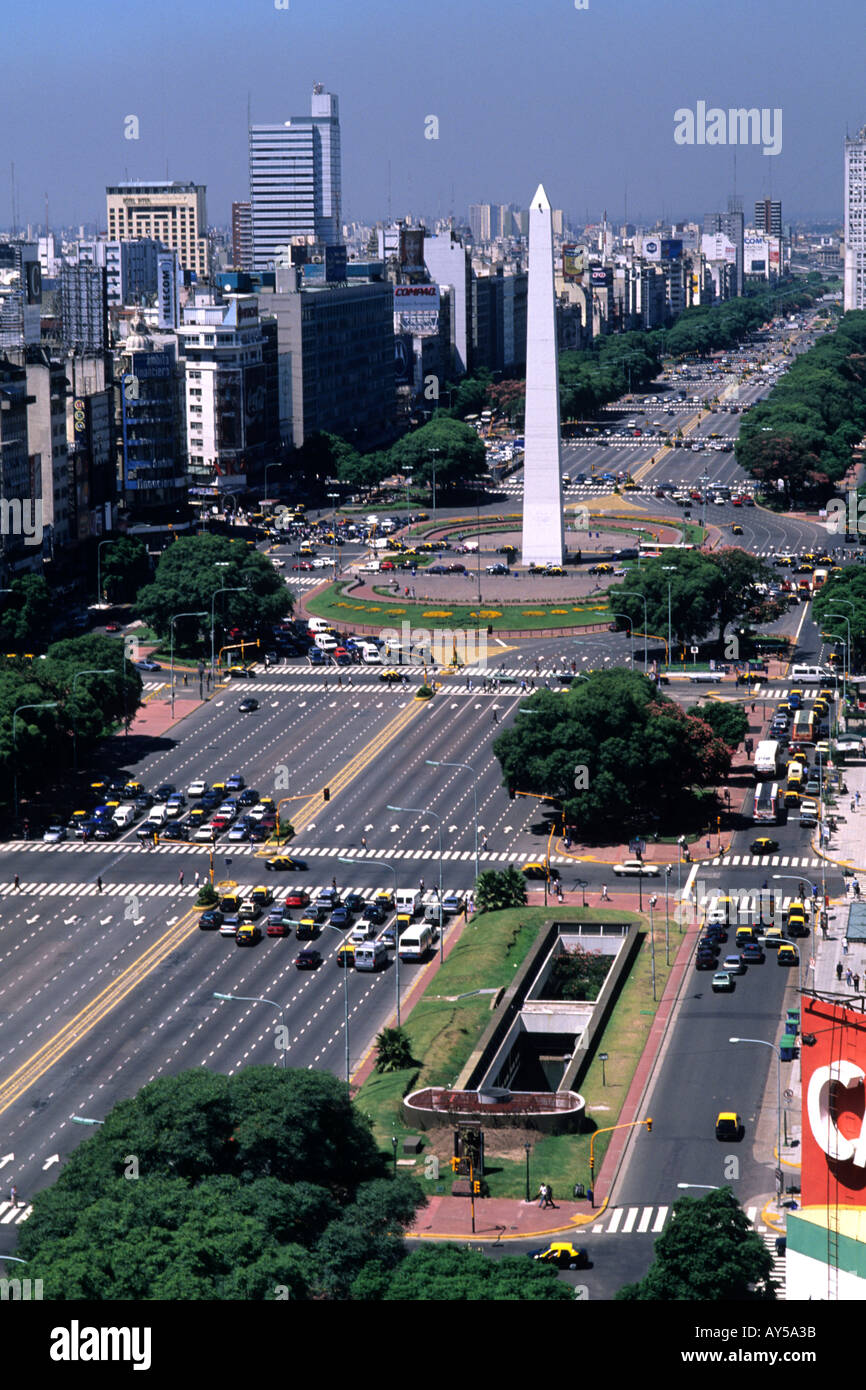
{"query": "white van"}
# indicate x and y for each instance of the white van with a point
(325, 641)
(157, 815)
(408, 901)
(371, 955)
(124, 815)
(370, 654)
(415, 942)
(810, 673)
(318, 625)
(767, 758)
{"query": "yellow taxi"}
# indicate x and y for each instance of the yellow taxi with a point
(262, 895)
(384, 898)
(729, 1125)
(736, 528)
(346, 955)
(788, 954)
(247, 934)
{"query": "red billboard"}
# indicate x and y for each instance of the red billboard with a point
(833, 1066)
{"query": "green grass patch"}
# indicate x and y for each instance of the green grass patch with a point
(341, 607)
(443, 1032)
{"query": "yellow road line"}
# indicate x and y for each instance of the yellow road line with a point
(94, 1011)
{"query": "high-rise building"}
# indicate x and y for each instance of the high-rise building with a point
(448, 263)
(855, 222)
(83, 308)
(20, 294)
(479, 221)
(91, 446)
(768, 216)
(173, 213)
(20, 480)
(150, 437)
(295, 181)
(47, 443)
(242, 236)
(731, 224)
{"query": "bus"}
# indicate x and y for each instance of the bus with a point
(766, 803)
(655, 547)
(804, 727)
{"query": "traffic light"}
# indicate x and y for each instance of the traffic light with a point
(455, 1164)
(511, 794)
(649, 1126)
(327, 793)
(476, 1188)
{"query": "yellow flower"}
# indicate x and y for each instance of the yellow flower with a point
(559, 610)
(394, 611)
(490, 613)
(437, 613)
(533, 612)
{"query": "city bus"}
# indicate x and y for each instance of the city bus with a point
(804, 727)
(766, 808)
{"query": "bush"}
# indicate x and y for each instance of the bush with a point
(206, 896)
(425, 692)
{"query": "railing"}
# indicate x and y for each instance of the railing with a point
(526, 1102)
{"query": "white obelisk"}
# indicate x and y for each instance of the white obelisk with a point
(543, 540)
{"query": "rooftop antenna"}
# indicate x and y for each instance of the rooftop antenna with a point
(389, 192)
(14, 210)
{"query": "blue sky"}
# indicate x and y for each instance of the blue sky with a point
(581, 100)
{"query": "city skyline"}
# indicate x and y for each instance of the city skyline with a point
(415, 135)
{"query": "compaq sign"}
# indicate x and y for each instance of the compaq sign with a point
(834, 1105)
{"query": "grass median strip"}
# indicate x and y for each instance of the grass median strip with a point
(444, 1028)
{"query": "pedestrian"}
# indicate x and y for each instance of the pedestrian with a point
(17, 883)
(197, 879)
(484, 843)
(523, 685)
(340, 682)
(857, 799)
(604, 895)
(708, 844)
(496, 716)
(13, 1195)
(856, 978)
(853, 804)
(844, 945)
(363, 841)
(856, 886)
(333, 883)
(753, 707)
(848, 977)
(839, 971)
(99, 883)
(542, 1195)
(180, 878)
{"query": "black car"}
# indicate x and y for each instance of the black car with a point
(248, 797)
(165, 791)
(353, 902)
(105, 830)
(210, 919)
(708, 943)
(143, 802)
(706, 960)
(308, 958)
(175, 831)
(248, 706)
(371, 912)
(753, 953)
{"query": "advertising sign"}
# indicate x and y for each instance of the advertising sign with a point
(652, 248)
(671, 248)
(404, 360)
(833, 1065)
(573, 262)
(600, 276)
(255, 402)
(412, 248)
(415, 298)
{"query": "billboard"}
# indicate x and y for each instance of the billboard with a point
(335, 263)
(255, 404)
(600, 276)
(404, 360)
(573, 262)
(833, 1068)
(652, 248)
(672, 248)
(412, 248)
(413, 299)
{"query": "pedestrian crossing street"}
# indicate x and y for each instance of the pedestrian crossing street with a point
(765, 861)
(12, 1214)
(231, 849)
(187, 890)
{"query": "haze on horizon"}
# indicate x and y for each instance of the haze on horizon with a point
(580, 100)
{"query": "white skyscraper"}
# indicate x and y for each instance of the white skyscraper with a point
(542, 474)
(295, 180)
(855, 222)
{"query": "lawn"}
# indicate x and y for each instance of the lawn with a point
(443, 1030)
(336, 604)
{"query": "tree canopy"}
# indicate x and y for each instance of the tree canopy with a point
(844, 593)
(264, 1185)
(25, 614)
(616, 753)
(707, 1252)
(454, 448)
(451, 1273)
(190, 572)
(123, 569)
(707, 591)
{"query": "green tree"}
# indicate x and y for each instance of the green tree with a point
(454, 448)
(728, 721)
(26, 613)
(367, 1233)
(616, 753)
(708, 1253)
(496, 889)
(451, 1273)
(124, 569)
(393, 1050)
(838, 594)
(188, 576)
(578, 974)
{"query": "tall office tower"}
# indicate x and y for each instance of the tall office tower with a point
(20, 476)
(542, 472)
(479, 221)
(768, 216)
(295, 180)
(732, 224)
(84, 308)
(20, 294)
(242, 236)
(855, 222)
(173, 213)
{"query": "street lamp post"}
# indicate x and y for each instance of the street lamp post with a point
(335, 497)
(345, 1000)
(99, 567)
(466, 767)
(672, 569)
(226, 589)
(386, 865)
(846, 669)
(652, 902)
(91, 671)
(47, 704)
(630, 633)
(171, 622)
(425, 811)
(254, 999)
(434, 454)
(762, 1042)
(633, 593)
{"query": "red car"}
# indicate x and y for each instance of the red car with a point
(220, 822)
(299, 899)
(112, 627)
(387, 565)
(305, 565)
(736, 501)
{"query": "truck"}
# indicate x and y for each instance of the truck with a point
(766, 809)
(767, 758)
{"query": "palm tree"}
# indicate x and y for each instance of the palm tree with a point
(393, 1050)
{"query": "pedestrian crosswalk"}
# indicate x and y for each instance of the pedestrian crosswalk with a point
(766, 861)
(651, 1220)
(13, 1213)
(131, 890)
(224, 847)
